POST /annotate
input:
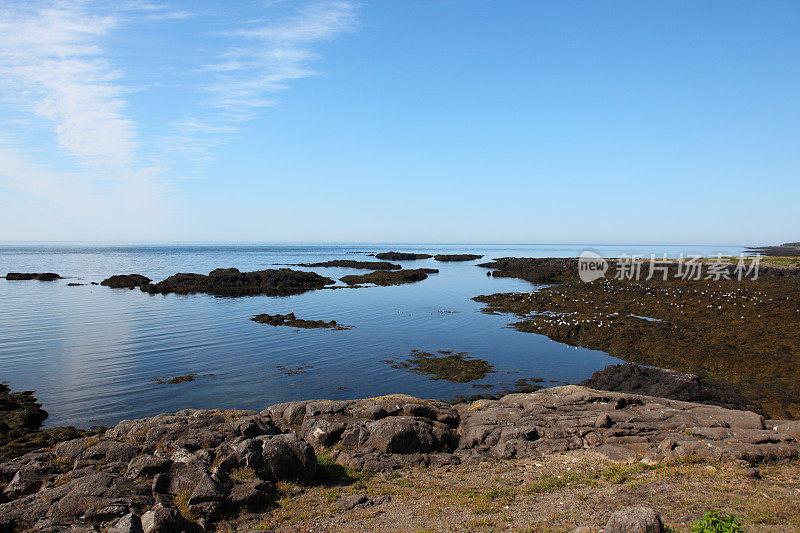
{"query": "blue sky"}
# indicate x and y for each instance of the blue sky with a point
(400, 120)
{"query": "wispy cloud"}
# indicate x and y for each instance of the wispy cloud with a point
(69, 129)
(267, 56)
(259, 59)
(52, 54)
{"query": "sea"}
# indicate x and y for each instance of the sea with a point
(96, 355)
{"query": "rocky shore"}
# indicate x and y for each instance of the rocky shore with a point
(195, 470)
(738, 334)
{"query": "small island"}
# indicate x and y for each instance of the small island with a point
(401, 256)
(292, 321)
(456, 257)
(392, 277)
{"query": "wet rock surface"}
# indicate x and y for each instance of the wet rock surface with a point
(401, 256)
(392, 277)
(347, 263)
(292, 321)
(126, 281)
(665, 383)
(738, 334)
(232, 282)
(187, 470)
(40, 276)
(21, 418)
(456, 257)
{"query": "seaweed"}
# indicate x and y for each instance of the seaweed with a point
(390, 277)
(292, 321)
(738, 334)
(445, 365)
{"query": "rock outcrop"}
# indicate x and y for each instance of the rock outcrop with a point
(392, 277)
(232, 282)
(126, 281)
(292, 321)
(349, 263)
(401, 256)
(187, 470)
(40, 276)
(666, 383)
(456, 257)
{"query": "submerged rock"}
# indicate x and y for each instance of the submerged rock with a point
(456, 367)
(456, 257)
(346, 263)
(665, 383)
(126, 281)
(232, 282)
(393, 277)
(401, 256)
(294, 322)
(40, 276)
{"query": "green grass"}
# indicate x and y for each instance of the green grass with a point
(716, 522)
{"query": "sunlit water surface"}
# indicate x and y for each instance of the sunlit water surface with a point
(91, 353)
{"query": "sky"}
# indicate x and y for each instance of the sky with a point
(457, 121)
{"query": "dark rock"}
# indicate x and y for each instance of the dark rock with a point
(126, 281)
(231, 282)
(393, 277)
(456, 257)
(346, 263)
(147, 466)
(401, 256)
(21, 417)
(252, 496)
(634, 520)
(665, 383)
(41, 276)
(208, 497)
(294, 322)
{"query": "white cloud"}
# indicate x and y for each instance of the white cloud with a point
(51, 52)
(69, 135)
(270, 55)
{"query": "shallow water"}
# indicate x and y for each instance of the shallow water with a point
(91, 353)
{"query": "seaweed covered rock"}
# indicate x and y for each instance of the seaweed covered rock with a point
(445, 365)
(40, 276)
(401, 256)
(456, 257)
(393, 277)
(535, 270)
(665, 383)
(292, 321)
(126, 281)
(21, 416)
(232, 282)
(347, 263)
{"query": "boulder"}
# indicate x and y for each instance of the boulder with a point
(634, 520)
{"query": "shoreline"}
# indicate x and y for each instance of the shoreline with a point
(198, 470)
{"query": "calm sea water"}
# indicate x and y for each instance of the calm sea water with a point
(91, 353)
